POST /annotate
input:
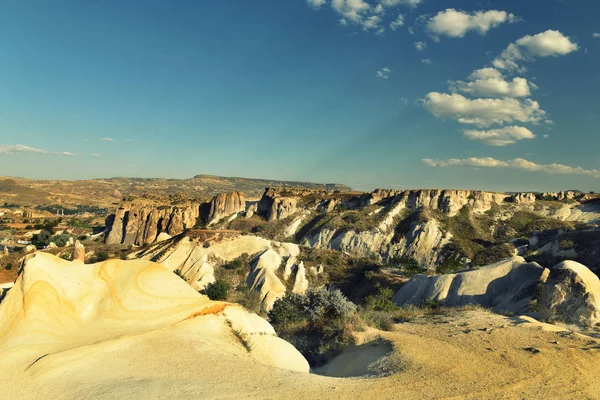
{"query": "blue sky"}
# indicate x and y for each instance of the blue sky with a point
(496, 95)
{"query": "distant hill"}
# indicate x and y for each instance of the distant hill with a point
(106, 192)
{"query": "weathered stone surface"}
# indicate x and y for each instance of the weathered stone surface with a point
(224, 205)
(29, 248)
(571, 295)
(508, 286)
(5, 251)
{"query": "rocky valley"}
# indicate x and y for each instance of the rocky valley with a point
(304, 288)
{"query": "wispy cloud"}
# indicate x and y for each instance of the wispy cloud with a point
(95, 154)
(426, 61)
(517, 163)
(107, 139)
(500, 137)
(12, 149)
(596, 35)
(384, 73)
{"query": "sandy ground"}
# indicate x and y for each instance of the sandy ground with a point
(471, 355)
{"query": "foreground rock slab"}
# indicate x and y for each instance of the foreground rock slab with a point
(60, 314)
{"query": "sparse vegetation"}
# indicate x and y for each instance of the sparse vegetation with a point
(319, 324)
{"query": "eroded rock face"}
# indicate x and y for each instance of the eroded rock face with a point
(262, 278)
(69, 312)
(571, 295)
(78, 252)
(507, 286)
(274, 206)
(141, 224)
(224, 205)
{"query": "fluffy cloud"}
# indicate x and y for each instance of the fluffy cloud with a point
(500, 137)
(10, 149)
(489, 82)
(384, 73)
(546, 44)
(596, 35)
(420, 45)
(426, 61)
(483, 112)
(398, 22)
(517, 163)
(455, 23)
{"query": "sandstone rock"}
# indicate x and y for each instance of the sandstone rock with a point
(526, 198)
(162, 237)
(507, 286)
(51, 245)
(262, 279)
(5, 251)
(571, 295)
(300, 282)
(274, 207)
(78, 252)
(251, 210)
(224, 205)
(29, 248)
(122, 312)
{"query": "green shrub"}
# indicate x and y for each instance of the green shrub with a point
(318, 324)
(100, 256)
(217, 290)
(382, 301)
(8, 266)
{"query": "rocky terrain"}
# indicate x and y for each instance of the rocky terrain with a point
(433, 229)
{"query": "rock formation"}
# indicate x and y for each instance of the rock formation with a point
(140, 223)
(275, 206)
(5, 251)
(224, 205)
(78, 252)
(262, 279)
(60, 316)
(300, 282)
(507, 286)
(571, 295)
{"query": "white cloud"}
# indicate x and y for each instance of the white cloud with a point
(384, 73)
(351, 10)
(95, 154)
(371, 22)
(526, 49)
(500, 137)
(426, 61)
(489, 82)
(107, 139)
(398, 22)
(517, 163)
(596, 35)
(455, 23)
(483, 112)
(379, 9)
(420, 45)
(316, 3)
(11, 149)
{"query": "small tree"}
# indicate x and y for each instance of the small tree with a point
(217, 290)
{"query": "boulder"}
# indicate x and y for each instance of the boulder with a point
(571, 295)
(51, 245)
(29, 248)
(507, 286)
